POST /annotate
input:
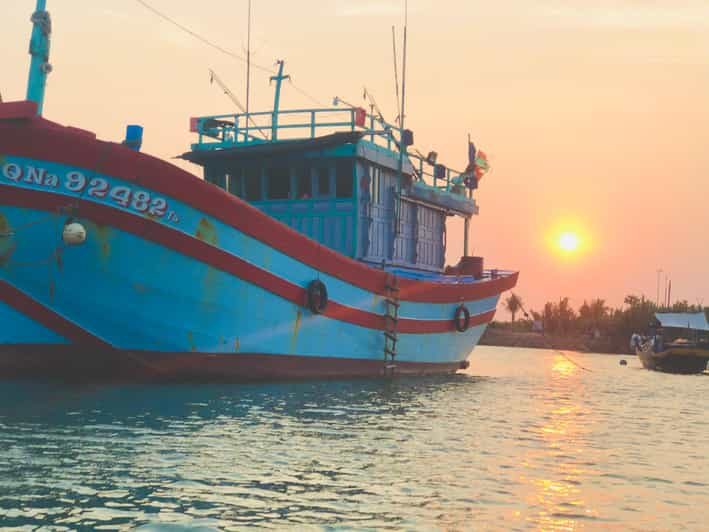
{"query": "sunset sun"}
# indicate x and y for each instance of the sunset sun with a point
(569, 242)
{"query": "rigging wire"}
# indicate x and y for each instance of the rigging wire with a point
(552, 348)
(233, 55)
(306, 94)
(200, 37)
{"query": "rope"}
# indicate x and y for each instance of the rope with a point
(552, 348)
(567, 357)
(306, 94)
(43, 20)
(71, 208)
(200, 38)
(233, 55)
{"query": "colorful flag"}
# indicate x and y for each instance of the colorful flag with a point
(481, 165)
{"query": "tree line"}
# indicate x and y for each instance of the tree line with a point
(593, 318)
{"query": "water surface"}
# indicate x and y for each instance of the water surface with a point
(525, 439)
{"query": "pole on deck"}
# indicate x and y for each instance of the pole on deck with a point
(248, 63)
(465, 236)
(39, 50)
(278, 78)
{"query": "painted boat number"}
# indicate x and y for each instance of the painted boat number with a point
(96, 187)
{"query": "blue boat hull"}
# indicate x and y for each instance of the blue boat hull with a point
(177, 279)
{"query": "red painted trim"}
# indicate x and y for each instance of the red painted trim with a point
(82, 364)
(18, 110)
(42, 140)
(201, 251)
(31, 308)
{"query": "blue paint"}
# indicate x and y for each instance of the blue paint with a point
(136, 303)
(259, 253)
(134, 137)
(15, 328)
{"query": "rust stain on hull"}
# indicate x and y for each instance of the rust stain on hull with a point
(8, 245)
(296, 331)
(140, 288)
(206, 232)
(102, 234)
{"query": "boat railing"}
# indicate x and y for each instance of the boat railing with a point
(452, 278)
(223, 131)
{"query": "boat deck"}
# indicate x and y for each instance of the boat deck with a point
(435, 277)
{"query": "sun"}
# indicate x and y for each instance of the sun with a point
(569, 242)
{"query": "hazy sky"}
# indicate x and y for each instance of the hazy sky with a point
(594, 113)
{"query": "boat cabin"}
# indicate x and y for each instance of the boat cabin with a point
(337, 175)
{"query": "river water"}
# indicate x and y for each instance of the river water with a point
(524, 439)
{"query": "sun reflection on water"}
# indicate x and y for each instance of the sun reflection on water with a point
(555, 500)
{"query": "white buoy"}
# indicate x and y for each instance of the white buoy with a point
(74, 234)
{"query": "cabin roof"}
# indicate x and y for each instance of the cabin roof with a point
(683, 320)
(272, 148)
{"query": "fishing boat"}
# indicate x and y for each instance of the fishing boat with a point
(314, 246)
(678, 343)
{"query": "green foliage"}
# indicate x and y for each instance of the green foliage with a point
(595, 319)
(513, 304)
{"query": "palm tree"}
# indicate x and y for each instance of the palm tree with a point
(513, 304)
(598, 311)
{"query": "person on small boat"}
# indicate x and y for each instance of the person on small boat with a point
(658, 343)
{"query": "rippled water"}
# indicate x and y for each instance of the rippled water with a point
(525, 439)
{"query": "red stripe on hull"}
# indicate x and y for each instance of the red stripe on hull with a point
(75, 364)
(43, 140)
(31, 308)
(201, 251)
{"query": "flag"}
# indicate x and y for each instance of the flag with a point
(481, 165)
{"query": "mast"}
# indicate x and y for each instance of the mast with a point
(396, 67)
(466, 236)
(248, 62)
(403, 75)
(402, 145)
(39, 50)
(278, 78)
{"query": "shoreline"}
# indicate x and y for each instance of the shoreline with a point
(501, 337)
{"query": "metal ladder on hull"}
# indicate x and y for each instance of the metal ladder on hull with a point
(391, 323)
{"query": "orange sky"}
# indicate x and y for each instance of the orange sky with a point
(594, 113)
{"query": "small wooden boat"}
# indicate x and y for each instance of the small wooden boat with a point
(678, 344)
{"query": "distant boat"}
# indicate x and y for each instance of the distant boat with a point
(679, 343)
(313, 247)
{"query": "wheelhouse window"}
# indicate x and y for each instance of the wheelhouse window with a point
(344, 180)
(278, 185)
(216, 177)
(252, 184)
(303, 183)
(323, 182)
(234, 181)
(375, 178)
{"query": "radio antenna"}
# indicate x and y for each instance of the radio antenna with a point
(403, 68)
(248, 61)
(396, 69)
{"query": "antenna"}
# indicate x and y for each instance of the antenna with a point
(396, 67)
(213, 78)
(403, 68)
(248, 61)
(278, 78)
(402, 143)
(369, 96)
